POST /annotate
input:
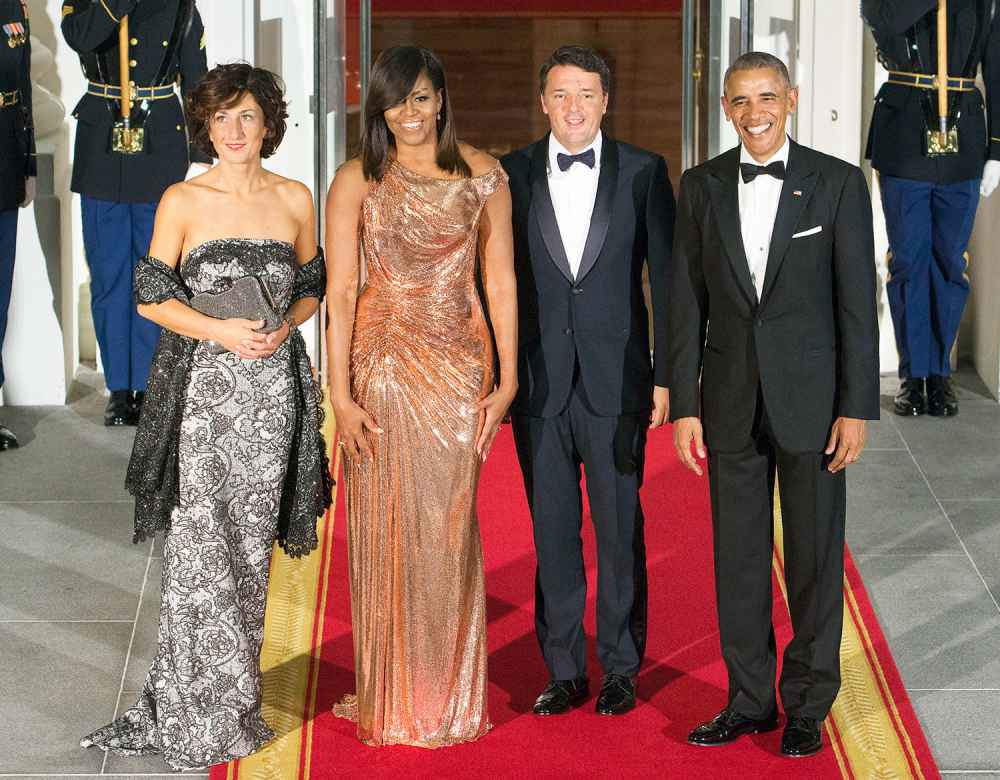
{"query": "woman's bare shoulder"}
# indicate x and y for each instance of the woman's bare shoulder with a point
(479, 162)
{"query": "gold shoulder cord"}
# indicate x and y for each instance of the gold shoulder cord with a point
(104, 5)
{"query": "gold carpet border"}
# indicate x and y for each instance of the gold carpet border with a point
(289, 662)
(869, 746)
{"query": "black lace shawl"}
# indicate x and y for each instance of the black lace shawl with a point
(152, 476)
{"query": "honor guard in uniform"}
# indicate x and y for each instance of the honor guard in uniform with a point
(17, 153)
(936, 147)
(129, 148)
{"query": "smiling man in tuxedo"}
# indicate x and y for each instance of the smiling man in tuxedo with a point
(588, 212)
(774, 259)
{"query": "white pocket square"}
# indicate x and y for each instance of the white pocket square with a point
(809, 232)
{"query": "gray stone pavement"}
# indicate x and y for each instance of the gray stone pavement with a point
(78, 601)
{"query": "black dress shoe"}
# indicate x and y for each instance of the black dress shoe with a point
(135, 401)
(119, 408)
(617, 695)
(801, 737)
(8, 441)
(910, 401)
(730, 725)
(561, 696)
(941, 399)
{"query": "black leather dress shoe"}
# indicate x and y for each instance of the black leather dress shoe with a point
(8, 441)
(730, 725)
(617, 695)
(561, 696)
(941, 399)
(801, 737)
(910, 401)
(135, 401)
(119, 408)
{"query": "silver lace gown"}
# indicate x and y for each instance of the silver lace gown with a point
(200, 704)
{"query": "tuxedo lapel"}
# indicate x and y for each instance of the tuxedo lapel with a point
(545, 214)
(607, 184)
(725, 195)
(795, 194)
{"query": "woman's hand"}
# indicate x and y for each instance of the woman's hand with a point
(492, 409)
(240, 337)
(352, 421)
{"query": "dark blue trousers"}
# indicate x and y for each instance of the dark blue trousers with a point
(8, 248)
(929, 227)
(115, 236)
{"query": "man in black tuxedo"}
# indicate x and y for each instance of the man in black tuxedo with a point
(774, 257)
(588, 213)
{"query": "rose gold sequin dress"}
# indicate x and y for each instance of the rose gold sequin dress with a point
(421, 358)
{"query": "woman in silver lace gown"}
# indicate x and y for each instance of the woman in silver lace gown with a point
(239, 429)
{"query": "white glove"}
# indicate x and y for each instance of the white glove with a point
(30, 188)
(196, 169)
(991, 178)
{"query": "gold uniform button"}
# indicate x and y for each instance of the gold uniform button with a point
(132, 63)
(178, 128)
(166, 43)
(134, 41)
(131, 83)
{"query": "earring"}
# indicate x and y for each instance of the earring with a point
(439, 116)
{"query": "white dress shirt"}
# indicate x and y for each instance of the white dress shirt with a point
(573, 192)
(758, 210)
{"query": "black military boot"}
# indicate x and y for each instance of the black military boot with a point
(8, 441)
(910, 401)
(119, 408)
(941, 399)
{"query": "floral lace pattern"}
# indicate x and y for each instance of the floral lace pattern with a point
(239, 475)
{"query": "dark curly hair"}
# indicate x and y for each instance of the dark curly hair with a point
(223, 87)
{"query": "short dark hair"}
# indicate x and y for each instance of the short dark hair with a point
(392, 78)
(223, 87)
(754, 60)
(581, 57)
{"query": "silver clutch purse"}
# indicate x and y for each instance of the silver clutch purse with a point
(247, 298)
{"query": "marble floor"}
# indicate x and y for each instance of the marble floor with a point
(78, 601)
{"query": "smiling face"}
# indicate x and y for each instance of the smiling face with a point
(413, 120)
(575, 102)
(238, 133)
(758, 103)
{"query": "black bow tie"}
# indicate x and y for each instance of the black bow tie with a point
(566, 160)
(749, 171)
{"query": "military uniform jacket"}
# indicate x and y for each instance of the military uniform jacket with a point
(166, 45)
(906, 34)
(17, 139)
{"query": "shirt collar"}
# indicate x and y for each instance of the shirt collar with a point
(556, 148)
(780, 155)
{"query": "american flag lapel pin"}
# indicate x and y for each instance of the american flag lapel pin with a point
(797, 194)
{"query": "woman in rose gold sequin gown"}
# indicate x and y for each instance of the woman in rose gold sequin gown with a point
(417, 404)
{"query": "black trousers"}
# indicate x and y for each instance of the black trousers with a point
(612, 451)
(813, 510)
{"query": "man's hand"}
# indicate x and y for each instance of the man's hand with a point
(686, 431)
(30, 189)
(991, 178)
(661, 407)
(847, 440)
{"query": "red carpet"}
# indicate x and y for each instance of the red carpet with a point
(874, 732)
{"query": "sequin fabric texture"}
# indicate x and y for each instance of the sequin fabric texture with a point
(200, 704)
(421, 359)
